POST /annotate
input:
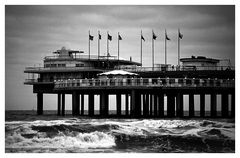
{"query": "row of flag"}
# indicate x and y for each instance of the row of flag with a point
(154, 36)
(100, 37)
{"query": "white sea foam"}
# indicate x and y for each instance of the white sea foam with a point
(81, 140)
(171, 127)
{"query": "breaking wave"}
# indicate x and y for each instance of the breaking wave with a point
(115, 135)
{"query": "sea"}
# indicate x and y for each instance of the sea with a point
(26, 132)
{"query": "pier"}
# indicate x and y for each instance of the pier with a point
(146, 92)
(146, 96)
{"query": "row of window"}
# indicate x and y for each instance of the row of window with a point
(62, 65)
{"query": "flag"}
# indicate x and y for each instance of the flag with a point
(119, 37)
(99, 36)
(142, 38)
(180, 35)
(109, 37)
(154, 36)
(90, 37)
(167, 38)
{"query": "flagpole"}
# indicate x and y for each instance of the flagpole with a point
(98, 45)
(107, 45)
(152, 51)
(118, 49)
(165, 49)
(141, 48)
(89, 45)
(107, 50)
(178, 48)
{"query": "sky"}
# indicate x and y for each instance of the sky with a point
(33, 32)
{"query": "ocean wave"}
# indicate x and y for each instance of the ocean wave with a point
(143, 134)
(80, 140)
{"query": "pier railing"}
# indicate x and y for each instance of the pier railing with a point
(147, 82)
(81, 57)
(133, 69)
(31, 80)
(178, 68)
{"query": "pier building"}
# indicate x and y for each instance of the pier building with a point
(72, 72)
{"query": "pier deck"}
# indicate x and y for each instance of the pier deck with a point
(144, 97)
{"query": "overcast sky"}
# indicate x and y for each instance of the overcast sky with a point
(33, 32)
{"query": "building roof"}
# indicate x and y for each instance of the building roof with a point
(199, 59)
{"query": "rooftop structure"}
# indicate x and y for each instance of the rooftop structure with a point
(200, 63)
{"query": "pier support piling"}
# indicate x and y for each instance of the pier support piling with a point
(170, 105)
(75, 103)
(224, 100)
(161, 105)
(39, 103)
(136, 103)
(91, 104)
(147, 105)
(151, 105)
(179, 105)
(103, 104)
(126, 105)
(63, 104)
(233, 105)
(155, 105)
(191, 105)
(59, 104)
(202, 105)
(82, 104)
(213, 105)
(133, 102)
(118, 101)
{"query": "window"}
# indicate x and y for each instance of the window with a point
(53, 65)
(47, 65)
(61, 65)
(79, 65)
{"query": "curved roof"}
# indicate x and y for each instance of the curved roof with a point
(199, 59)
(118, 72)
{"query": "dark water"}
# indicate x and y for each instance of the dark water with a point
(26, 132)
